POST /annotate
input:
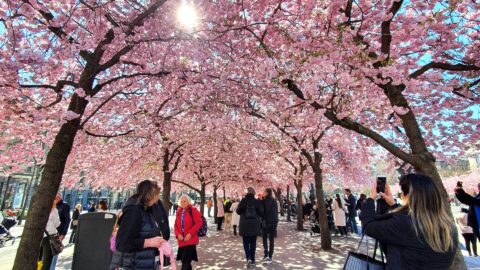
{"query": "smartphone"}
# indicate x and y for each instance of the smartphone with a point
(460, 184)
(381, 182)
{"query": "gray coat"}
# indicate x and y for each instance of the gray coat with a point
(249, 227)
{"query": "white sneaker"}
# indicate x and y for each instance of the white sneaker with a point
(265, 259)
(269, 261)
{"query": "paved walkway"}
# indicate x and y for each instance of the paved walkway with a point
(221, 250)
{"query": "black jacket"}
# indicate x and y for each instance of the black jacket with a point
(465, 198)
(75, 216)
(270, 212)
(135, 225)
(64, 214)
(352, 203)
(228, 205)
(404, 249)
(130, 223)
(249, 227)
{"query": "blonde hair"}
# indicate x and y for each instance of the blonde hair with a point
(78, 206)
(428, 212)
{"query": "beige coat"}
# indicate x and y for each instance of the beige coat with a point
(339, 214)
(235, 216)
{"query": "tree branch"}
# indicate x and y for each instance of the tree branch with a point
(108, 136)
(186, 184)
(443, 66)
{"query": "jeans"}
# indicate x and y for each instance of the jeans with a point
(268, 233)
(250, 244)
(352, 223)
(54, 262)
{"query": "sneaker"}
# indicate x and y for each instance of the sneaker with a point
(249, 262)
(253, 264)
(269, 261)
(265, 259)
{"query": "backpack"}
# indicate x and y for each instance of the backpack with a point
(250, 211)
(228, 207)
(203, 229)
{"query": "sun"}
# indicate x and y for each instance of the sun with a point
(187, 15)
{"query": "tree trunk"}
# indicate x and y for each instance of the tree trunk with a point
(215, 209)
(26, 193)
(326, 239)
(41, 204)
(289, 218)
(224, 194)
(202, 199)
(299, 186)
(167, 179)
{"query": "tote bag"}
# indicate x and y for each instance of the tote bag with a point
(359, 261)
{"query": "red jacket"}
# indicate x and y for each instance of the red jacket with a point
(190, 226)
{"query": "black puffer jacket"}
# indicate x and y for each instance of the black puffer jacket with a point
(250, 226)
(137, 224)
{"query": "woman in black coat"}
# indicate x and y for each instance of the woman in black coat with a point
(74, 224)
(417, 235)
(140, 230)
(250, 211)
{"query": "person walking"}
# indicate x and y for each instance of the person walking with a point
(339, 215)
(74, 224)
(139, 230)
(269, 225)
(228, 214)
(50, 230)
(417, 235)
(220, 214)
(187, 223)
(235, 216)
(250, 211)
(351, 204)
(467, 232)
(209, 206)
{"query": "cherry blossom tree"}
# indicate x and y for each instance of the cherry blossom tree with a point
(57, 58)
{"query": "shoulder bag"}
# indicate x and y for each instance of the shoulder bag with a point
(55, 243)
(359, 261)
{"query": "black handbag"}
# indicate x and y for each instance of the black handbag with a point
(122, 260)
(55, 243)
(359, 261)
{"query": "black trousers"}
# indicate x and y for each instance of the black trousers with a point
(268, 246)
(219, 222)
(47, 255)
(73, 235)
(470, 238)
(235, 230)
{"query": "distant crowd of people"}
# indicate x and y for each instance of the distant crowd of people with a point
(416, 233)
